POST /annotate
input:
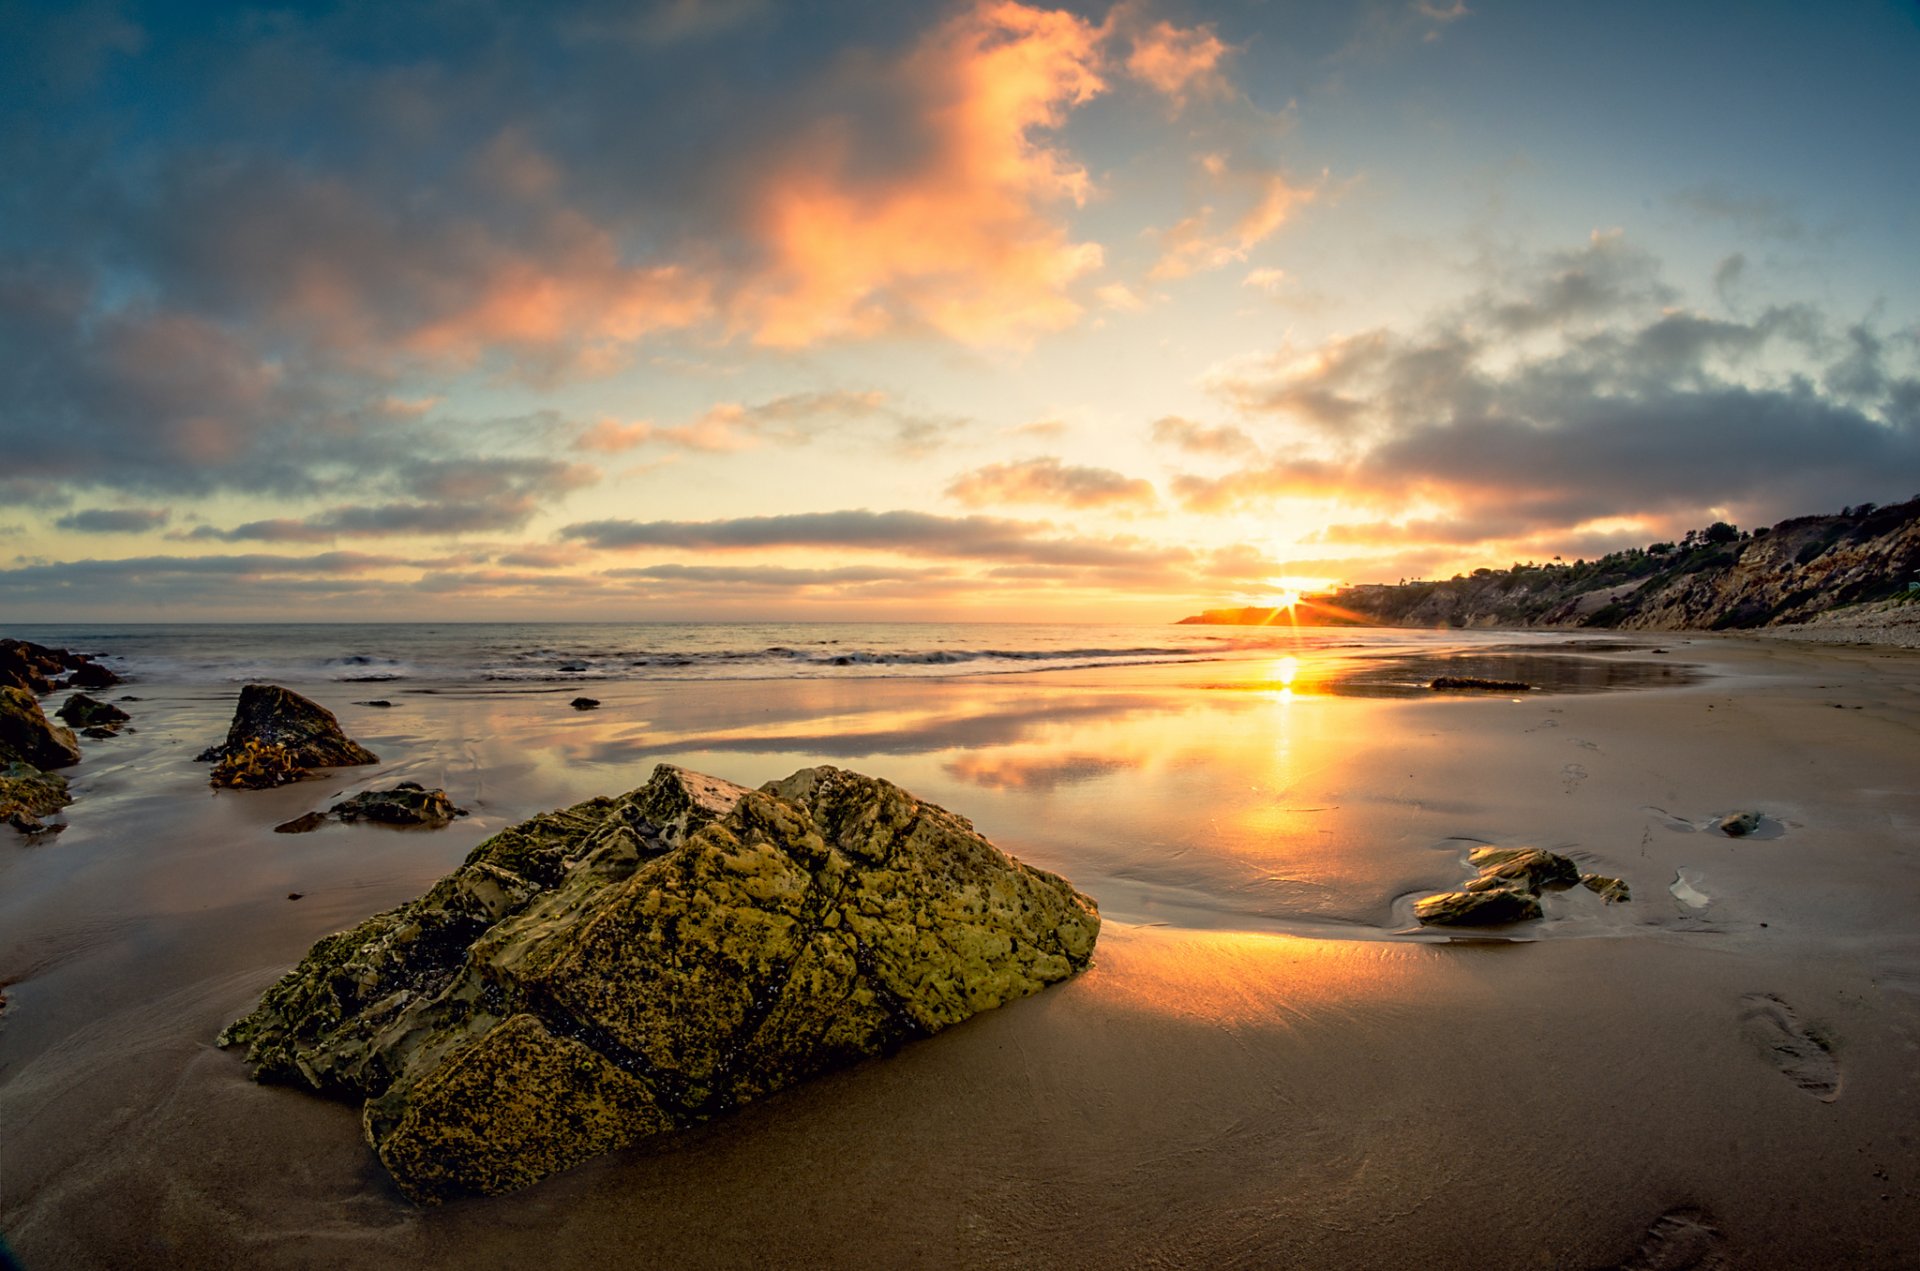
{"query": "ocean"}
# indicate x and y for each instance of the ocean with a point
(439, 654)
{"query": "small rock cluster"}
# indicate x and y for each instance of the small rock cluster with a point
(1508, 886)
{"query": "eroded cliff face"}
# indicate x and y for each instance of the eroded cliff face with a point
(633, 965)
(1796, 571)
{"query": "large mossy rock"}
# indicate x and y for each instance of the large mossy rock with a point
(276, 735)
(27, 794)
(28, 736)
(638, 964)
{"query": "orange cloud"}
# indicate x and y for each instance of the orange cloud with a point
(963, 242)
(612, 437)
(1182, 63)
(1049, 481)
(578, 290)
(1266, 201)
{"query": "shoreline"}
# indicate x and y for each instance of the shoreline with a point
(1256, 1071)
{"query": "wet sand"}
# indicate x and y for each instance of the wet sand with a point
(1265, 1067)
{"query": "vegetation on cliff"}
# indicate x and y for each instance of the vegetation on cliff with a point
(1716, 578)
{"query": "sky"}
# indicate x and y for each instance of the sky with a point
(762, 310)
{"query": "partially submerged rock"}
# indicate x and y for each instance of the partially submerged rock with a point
(27, 736)
(585, 703)
(408, 803)
(27, 794)
(1507, 888)
(1612, 890)
(633, 965)
(82, 711)
(1528, 867)
(1738, 824)
(1475, 682)
(276, 735)
(305, 823)
(39, 669)
(1494, 908)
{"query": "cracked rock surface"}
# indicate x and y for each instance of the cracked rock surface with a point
(633, 965)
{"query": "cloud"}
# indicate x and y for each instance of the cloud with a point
(1614, 403)
(776, 577)
(453, 496)
(1200, 439)
(1181, 63)
(1258, 203)
(793, 419)
(961, 240)
(115, 520)
(1049, 481)
(902, 532)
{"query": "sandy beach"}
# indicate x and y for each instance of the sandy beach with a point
(1268, 1065)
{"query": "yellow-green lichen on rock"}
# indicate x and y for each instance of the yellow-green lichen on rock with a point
(636, 964)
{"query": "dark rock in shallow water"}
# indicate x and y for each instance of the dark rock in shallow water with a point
(1530, 867)
(1474, 682)
(1612, 890)
(408, 803)
(90, 674)
(82, 711)
(36, 668)
(275, 737)
(1738, 824)
(1493, 908)
(305, 823)
(378, 701)
(27, 736)
(27, 794)
(585, 703)
(1507, 888)
(634, 965)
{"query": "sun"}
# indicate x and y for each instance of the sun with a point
(1288, 599)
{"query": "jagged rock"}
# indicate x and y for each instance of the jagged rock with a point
(82, 711)
(1507, 888)
(1475, 682)
(408, 803)
(632, 965)
(1493, 908)
(1738, 824)
(27, 794)
(90, 674)
(27, 736)
(1612, 890)
(1530, 867)
(585, 703)
(276, 735)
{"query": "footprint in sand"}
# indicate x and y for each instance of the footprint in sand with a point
(1679, 1240)
(1571, 776)
(1800, 1053)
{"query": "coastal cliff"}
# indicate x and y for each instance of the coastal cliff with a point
(1718, 578)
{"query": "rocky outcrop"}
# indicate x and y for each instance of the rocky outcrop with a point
(27, 794)
(27, 736)
(275, 737)
(39, 669)
(1738, 824)
(1718, 578)
(633, 965)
